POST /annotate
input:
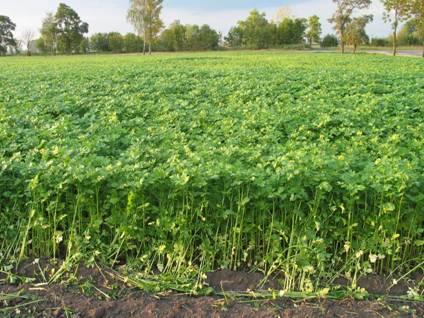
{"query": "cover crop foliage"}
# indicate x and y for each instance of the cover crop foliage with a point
(305, 166)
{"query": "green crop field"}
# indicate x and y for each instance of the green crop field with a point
(303, 166)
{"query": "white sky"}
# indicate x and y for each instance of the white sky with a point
(110, 15)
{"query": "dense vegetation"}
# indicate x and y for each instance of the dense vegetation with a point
(307, 166)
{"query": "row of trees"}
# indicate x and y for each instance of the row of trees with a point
(176, 37)
(256, 32)
(63, 31)
(352, 30)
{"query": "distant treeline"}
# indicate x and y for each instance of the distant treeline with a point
(177, 37)
(63, 32)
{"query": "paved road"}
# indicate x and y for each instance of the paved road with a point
(415, 53)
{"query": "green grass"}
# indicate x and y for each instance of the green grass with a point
(307, 166)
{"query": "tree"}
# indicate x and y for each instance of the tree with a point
(70, 29)
(7, 41)
(116, 42)
(342, 16)
(379, 42)
(27, 38)
(257, 31)
(132, 43)
(313, 34)
(48, 39)
(235, 37)
(99, 42)
(417, 13)
(85, 46)
(355, 31)
(330, 40)
(396, 12)
(144, 15)
(408, 34)
(208, 38)
(291, 31)
(282, 14)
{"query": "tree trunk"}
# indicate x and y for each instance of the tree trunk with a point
(150, 48)
(423, 51)
(144, 42)
(395, 25)
(342, 44)
(354, 49)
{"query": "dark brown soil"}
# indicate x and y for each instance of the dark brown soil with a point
(96, 293)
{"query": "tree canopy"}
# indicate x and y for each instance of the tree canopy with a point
(144, 15)
(7, 41)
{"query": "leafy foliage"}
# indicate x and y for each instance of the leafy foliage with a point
(144, 15)
(256, 32)
(314, 30)
(330, 40)
(6, 34)
(308, 168)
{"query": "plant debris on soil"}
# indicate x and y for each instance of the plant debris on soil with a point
(98, 293)
(61, 301)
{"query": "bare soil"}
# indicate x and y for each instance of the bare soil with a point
(96, 293)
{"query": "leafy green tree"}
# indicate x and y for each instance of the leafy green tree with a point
(144, 15)
(69, 28)
(291, 31)
(380, 42)
(397, 11)
(192, 37)
(174, 37)
(132, 43)
(417, 13)
(257, 31)
(85, 46)
(342, 16)
(313, 34)
(355, 31)
(235, 37)
(330, 40)
(99, 42)
(7, 40)
(48, 39)
(201, 38)
(115, 42)
(407, 35)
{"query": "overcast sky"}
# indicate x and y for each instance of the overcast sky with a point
(110, 15)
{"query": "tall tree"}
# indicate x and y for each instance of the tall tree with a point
(396, 12)
(313, 33)
(27, 38)
(257, 31)
(69, 28)
(116, 42)
(234, 37)
(144, 15)
(99, 42)
(355, 31)
(343, 15)
(417, 13)
(291, 31)
(48, 39)
(7, 40)
(132, 43)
